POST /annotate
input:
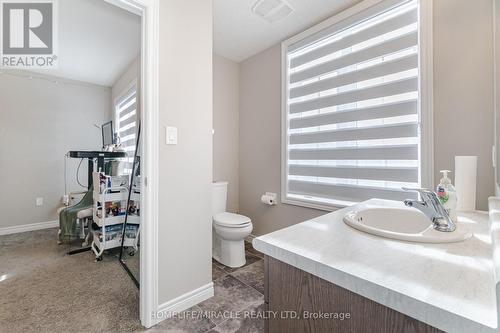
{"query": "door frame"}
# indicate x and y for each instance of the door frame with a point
(149, 10)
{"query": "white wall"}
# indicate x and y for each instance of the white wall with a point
(131, 73)
(463, 111)
(39, 122)
(185, 182)
(226, 126)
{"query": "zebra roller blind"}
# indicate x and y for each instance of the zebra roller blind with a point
(126, 124)
(352, 110)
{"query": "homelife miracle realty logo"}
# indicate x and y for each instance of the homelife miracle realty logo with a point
(28, 34)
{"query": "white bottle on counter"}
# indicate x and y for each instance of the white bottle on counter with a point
(447, 195)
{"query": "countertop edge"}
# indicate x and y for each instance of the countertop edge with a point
(425, 312)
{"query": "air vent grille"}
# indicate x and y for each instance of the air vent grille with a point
(272, 10)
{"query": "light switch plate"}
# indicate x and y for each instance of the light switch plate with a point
(39, 202)
(171, 135)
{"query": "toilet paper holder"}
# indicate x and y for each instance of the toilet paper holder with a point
(269, 198)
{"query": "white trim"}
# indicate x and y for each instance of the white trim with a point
(184, 302)
(314, 204)
(150, 12)
(150, 147)
(126, 5)
(426, 99)
(28, 227)
(426, 155)
(284, 118)
(495, 99)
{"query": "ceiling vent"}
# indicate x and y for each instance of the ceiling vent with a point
(272, 10)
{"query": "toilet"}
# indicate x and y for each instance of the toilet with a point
(229, 230)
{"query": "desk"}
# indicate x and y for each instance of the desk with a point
(99, 155)
(91, 155)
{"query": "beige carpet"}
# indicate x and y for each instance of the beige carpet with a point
(44, 290)
(133, 262)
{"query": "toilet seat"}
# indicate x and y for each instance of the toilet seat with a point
(231, 220)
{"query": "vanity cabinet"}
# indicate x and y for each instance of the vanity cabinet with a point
(295, 297)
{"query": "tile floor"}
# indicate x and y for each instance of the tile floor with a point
(239, 294)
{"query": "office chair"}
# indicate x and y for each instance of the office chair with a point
(72, 219)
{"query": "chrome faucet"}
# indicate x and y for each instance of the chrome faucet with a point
(432, 208)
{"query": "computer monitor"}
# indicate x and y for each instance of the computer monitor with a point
(107, 134)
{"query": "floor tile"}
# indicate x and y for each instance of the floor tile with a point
(217, 272)
(252, 275)
(250, 249)
(216, 263)
(231, 295)
(192, 320)
(249, 321)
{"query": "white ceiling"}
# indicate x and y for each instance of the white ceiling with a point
(97, 41)
(239, 33)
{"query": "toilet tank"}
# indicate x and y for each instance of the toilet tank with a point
(219, 197)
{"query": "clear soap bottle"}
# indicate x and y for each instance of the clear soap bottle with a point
(447, 195)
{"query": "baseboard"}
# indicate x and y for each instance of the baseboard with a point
(28, 227)
(184, 302)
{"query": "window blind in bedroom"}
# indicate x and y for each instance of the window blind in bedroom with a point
(126, 120)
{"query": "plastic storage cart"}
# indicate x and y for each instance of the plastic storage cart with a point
(110, 205)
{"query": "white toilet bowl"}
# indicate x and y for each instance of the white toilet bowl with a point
(229, 230)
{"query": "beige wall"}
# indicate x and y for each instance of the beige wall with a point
(463, 114)
(226, 127)
(260, 143)
(185, 179)
(40, 121)
(463, 88)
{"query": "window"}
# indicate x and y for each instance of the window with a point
(352, 115)
(126, 118)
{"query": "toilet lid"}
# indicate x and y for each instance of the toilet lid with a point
(231, 220)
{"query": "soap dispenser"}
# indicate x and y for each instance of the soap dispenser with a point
(447, 195)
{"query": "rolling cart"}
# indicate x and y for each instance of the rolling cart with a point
(110, 205)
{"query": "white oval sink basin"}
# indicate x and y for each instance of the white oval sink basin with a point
(407, 224)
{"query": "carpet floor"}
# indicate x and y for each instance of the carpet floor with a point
(42, 289)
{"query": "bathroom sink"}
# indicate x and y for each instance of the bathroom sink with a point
(402, 223)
